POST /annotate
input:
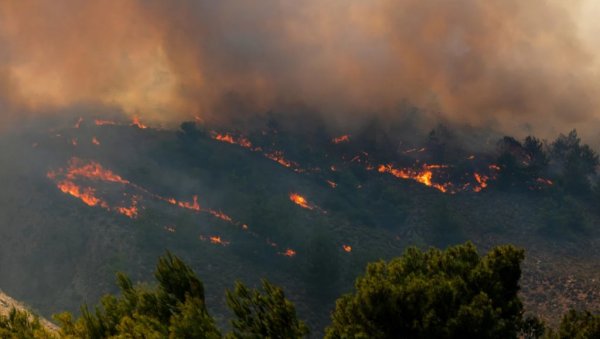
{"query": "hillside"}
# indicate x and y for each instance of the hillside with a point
(305, 207)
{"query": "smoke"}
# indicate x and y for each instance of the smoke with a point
(516, 66)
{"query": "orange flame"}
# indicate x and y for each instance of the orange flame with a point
(137, 123)
(74, 141)
(481, 180)
(78, 123)
(288, 253)
(278, 157)
(347, 248)
(300, 201)
(341, 139)
(95, 141)
(132, 211)
(93, 171)
(331, 183)
(87, 195)
(220, 215)
(217, 240)
(228, 138)
(191, 206)
(424, 176)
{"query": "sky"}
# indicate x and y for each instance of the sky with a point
(516, 66)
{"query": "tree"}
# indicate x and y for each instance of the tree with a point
(174, 308)
(263, 314)
(454, 293)
(573, 163)
(578, 325)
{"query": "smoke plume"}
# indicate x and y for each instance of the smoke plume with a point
(512, 65)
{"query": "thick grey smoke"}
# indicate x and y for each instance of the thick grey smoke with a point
(512, 65)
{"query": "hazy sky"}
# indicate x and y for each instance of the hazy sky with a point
(512, 64)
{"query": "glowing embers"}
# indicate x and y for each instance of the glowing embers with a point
(215, 240)
(347, 248)
(288, 253)
(341, 139)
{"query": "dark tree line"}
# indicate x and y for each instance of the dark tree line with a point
(454, 293)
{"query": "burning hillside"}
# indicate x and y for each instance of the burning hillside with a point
(306, 208)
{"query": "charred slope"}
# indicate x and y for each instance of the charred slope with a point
(306, 209)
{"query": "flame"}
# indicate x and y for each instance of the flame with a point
(217, 240)
(95, 141)
(230, 139)
(93, 171)
(191, 206)
(288, 253)
(331, 183)
(74, 141)
(494, 167)
(137, 123)
(300, 201)
(341, 139)
(423, 176)
(86, 195)
(347, 248)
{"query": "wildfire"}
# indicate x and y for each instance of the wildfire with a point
(288, 253)
(300, 201)
(331, 183)
(95, 141)
(137, 123)
(347, 248)
(341, 139)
